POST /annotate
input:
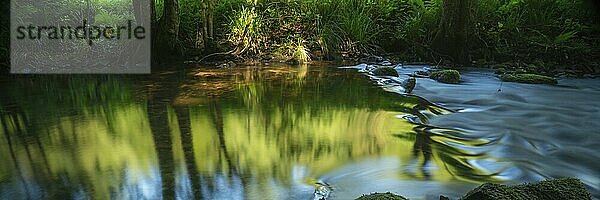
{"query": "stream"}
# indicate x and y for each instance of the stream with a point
(280, 132)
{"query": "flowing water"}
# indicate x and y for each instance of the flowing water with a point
(279, 132)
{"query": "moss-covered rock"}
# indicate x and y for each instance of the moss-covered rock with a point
(446, 76)
(568, 188)
(381, 196)
(529, 78)
(409, 84)
(385, 71)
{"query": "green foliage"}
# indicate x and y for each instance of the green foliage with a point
(355, 26)
(529, 78)
(564, 37)
(159, 7)
(107, 18)
(416, 28)
(246, 32)
(301, 53)
(294, 52)
(558, 31)
(446, 76)
(349, 27)
(190, 16)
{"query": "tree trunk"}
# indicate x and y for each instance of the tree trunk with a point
(168, 27)
(208, 7)
(451, 40)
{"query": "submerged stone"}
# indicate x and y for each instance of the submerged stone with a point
(385, 71)
(568, 188)
(322, 191)
(446, 76)
(381, 196)
(409, 84)
(529, 79)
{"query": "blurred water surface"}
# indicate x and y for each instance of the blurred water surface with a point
(275, 132)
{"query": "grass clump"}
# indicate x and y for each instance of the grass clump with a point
(569, 188)
(292, 52)
(529, 79)
(247, 32)
(381, 196)
(385, 71)
(301, 53)
(446, 76)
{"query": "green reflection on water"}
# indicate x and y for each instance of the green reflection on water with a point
(175, 133)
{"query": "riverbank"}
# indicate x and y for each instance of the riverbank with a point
(555, 36)
(506, 71)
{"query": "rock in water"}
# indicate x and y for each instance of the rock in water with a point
(382, 196)
(385, 71)
(529, 79)
(446, 76)
(322, 191)
(421, 74)
(409, 84)
(568, 188)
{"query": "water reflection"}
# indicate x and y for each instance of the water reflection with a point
(250, 133)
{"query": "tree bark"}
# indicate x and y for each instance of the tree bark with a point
(208, 7)
(454, 28)
(168, 27)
